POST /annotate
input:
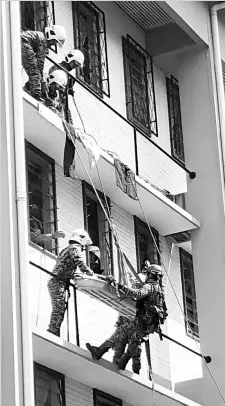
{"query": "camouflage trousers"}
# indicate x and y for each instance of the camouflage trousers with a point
(58, 292)
(125, 334)
(30, 64)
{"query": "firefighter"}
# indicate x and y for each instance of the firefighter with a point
(65, 269)
(151, 312)
(74, 59)
(94, 253)
(56, 93)
(35, 46)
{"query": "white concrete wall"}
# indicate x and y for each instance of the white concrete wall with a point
(96, 320)
(205, 199)
(111, 132)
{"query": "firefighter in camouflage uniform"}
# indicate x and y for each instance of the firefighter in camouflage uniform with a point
(66, 269)
(151, 312)
(74, 59)
(35, 46)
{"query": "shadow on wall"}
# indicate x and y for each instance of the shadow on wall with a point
(201, 390)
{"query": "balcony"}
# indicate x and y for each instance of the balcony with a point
(44, 129)
(68, 355)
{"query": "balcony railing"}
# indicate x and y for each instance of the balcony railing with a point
(86, 319)
(142, 154)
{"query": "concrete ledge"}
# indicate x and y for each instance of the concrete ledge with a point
(77, 364)
(44, 129)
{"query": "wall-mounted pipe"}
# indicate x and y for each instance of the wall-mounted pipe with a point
(21, 201)
(218, 74)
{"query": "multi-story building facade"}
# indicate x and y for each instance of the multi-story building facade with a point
(151, 95)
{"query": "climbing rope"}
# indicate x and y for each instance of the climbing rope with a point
(112, 227)
(169, 279)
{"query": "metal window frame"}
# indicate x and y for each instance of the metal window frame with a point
(52, 5)
(56, 374)
(189, 331)
(139, 223)
(172, 82)
(110, 400)
(127, 44)
(49, 160)
(102, 51)
(87, 187)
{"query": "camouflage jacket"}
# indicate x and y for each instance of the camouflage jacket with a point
(37, 41)
(59, 104)
(151, 308)
(67, 262)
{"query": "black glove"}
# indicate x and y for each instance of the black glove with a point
(49, 102)
(71, 91)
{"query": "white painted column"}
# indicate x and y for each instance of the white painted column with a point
(16, 336)
(205, 200)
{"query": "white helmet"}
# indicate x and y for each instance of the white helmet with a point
(95, 250)
(154, 269)
(81, 236)
(75, 55)
(59, 77)
(56, 32)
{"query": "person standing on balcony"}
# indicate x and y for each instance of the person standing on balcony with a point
(69, 259)
(74, 59)
(94, 253)
(151, 312)
(34, 47)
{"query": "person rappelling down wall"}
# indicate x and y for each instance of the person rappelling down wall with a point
(151, 312)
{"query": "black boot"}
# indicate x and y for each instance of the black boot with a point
(123, 361)
(97, 352)
(55, 332)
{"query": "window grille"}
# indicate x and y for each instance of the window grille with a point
(49, 387)
(139, 86)
(189, 295)
(146, 249)
(90, 38)
(176, 132)
(36, 15)
(41, 197)
(97, 226)
(104, 399)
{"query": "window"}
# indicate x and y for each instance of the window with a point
(189, 295)
(103, 399)
(146, 249)
(49, 387)
(90, 38)
(176, 132)
(97, 226)
(139, 86)
(36, 15)
(41, 197)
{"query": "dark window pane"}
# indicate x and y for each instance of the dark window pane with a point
(139, 85)
(176, 132)
(190, 307)
(36, 15)
(146, 248)
(41, 197)
(90, 37)
(104, 399)
(49, 387)
(97, 226)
